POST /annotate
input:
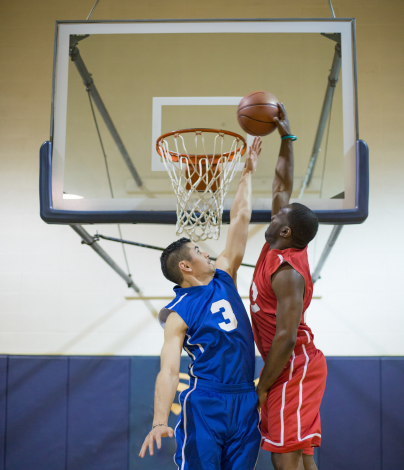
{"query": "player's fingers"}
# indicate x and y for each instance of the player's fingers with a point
(158, 441)
(143, 449)
(283, 111)
(170, 432)
(151, 446)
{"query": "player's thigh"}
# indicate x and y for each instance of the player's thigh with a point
(308, 462)
(198, 446)
(241, 451)
(286, 461)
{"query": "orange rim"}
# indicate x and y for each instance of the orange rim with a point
(195, 158)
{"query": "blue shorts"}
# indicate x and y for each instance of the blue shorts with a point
(218, 427)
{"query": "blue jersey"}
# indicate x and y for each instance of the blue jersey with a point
(219, 338)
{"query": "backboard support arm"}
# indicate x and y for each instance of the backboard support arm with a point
(326, 252)
(87, 239)
(92, 89)
(325, 112)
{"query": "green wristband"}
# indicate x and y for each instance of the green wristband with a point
(291, 137)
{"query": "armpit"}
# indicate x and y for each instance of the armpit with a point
(163, 315)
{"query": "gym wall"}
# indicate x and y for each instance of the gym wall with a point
(63, 312)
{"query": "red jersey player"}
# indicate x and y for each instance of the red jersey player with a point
(293, 379)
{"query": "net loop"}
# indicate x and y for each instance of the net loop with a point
(201, 181)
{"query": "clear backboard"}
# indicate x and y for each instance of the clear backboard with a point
(119, 85)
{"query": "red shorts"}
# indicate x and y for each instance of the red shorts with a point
(290, 418)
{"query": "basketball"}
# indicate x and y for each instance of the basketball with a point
(256, 113)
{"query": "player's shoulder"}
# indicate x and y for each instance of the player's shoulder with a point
(186, 304)
(222, 275)
(178, 304)
(297, 258)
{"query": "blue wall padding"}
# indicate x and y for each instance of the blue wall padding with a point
(36, 413)
(392, 391)
(3, 404)
(98, 416)
(351, 415)
(143, 377)
(85, 413)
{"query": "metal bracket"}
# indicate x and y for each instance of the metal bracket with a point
(333, 36)
(74, 39)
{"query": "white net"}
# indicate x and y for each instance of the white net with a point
(201, 181)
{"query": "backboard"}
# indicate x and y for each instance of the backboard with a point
(140, 79)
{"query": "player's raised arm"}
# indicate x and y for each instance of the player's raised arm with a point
(167, 382)
(282, 185)
(240, 216)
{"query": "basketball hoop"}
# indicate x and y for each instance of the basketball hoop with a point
(201, 180)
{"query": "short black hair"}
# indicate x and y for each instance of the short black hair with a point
(304, 224)
(170, 258)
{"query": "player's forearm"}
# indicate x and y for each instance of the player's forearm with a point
(166, 386)
(277, 358)
(242, 203)
(283, 181)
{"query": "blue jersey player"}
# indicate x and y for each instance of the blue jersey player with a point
(218, 425)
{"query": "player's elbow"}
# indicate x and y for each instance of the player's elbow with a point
(168, 374)
(286, 338)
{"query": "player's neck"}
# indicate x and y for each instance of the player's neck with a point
(192, 281)
(279, 244)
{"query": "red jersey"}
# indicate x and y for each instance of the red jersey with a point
(263, 300)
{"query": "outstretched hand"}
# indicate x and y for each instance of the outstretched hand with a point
(155, 435)
(253, 154)
(282, 123)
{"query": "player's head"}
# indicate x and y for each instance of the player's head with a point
(183, 258)
(295, 224)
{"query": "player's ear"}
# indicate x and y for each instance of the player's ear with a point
(285, 232)
(185, 266)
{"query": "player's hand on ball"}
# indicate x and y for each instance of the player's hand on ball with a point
(155, 435)
(253, 154)
(282, 123)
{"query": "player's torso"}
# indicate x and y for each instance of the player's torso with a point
(220, 339)
(263, 302)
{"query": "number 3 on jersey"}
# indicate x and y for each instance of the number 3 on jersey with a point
(227, 313)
